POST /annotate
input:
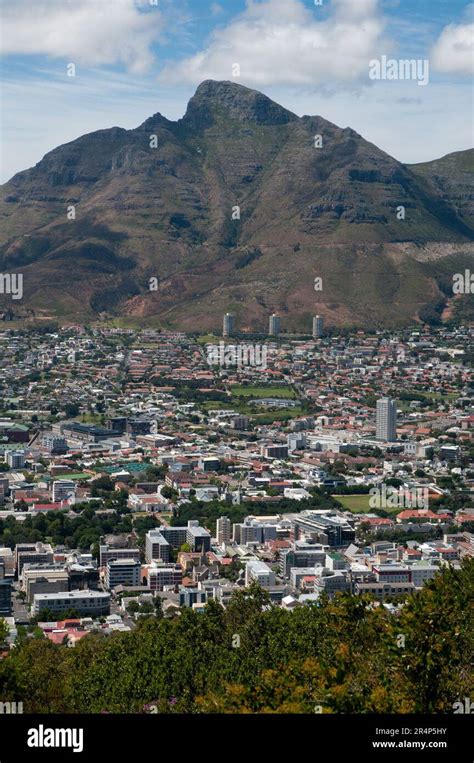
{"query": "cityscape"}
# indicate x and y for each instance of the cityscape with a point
(140, 480)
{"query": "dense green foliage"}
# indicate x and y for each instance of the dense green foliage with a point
(82, 531)
(209, 512)
(3, 630)
(345, 655)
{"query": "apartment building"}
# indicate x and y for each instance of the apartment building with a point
(161, 576)
(223, 530)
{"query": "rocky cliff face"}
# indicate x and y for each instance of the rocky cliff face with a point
(238, 206)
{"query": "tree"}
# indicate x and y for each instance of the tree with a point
(169, 492)
(4, 630)
(133, 607)
(71, 409)
(341, 655)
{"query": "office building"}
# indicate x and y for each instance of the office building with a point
(391, 573)
(63, 489)
(158, 543)
(5, 593)
(4, 488)
(255, 531)
(85, 603)
(5, 597)
(386, 419)
(383, 590)
(110, 554)
(318, 327)
(422, 571)
(303, 577)
(7, 558)
(296, 441)
(40, 578)
(76, 431)
(240, 423)
(32, 553)
(260, 572)
(55, 444)
(327, 529)
(300, 557)
(450, 452)
(274, 451)
(209, 463)
(190, 596)
(228, 325)
(157, 547)
(122, 572)
(15, 459)
(274, 325)
(335, 561)
(331, 581)
(116, 423)
(198, 538)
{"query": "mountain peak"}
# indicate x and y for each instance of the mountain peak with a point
(242, 104)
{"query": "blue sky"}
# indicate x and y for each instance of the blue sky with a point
(136, 57)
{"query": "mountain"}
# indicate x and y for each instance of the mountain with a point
(158, 202)
(451, 177)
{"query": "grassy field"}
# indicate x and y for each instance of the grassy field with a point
(208, 339)
(267, 391)
(90, 418)
(356, 503)
(265, 417)
(283, 414)
(359, 504)
(439, 396)
(75, 476)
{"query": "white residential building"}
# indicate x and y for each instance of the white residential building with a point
(260, 572)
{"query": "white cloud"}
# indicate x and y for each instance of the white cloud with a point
(45, 109)
(87, 32)
(409, 125)
(216, 9)
(285, 42)
(453, 51)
